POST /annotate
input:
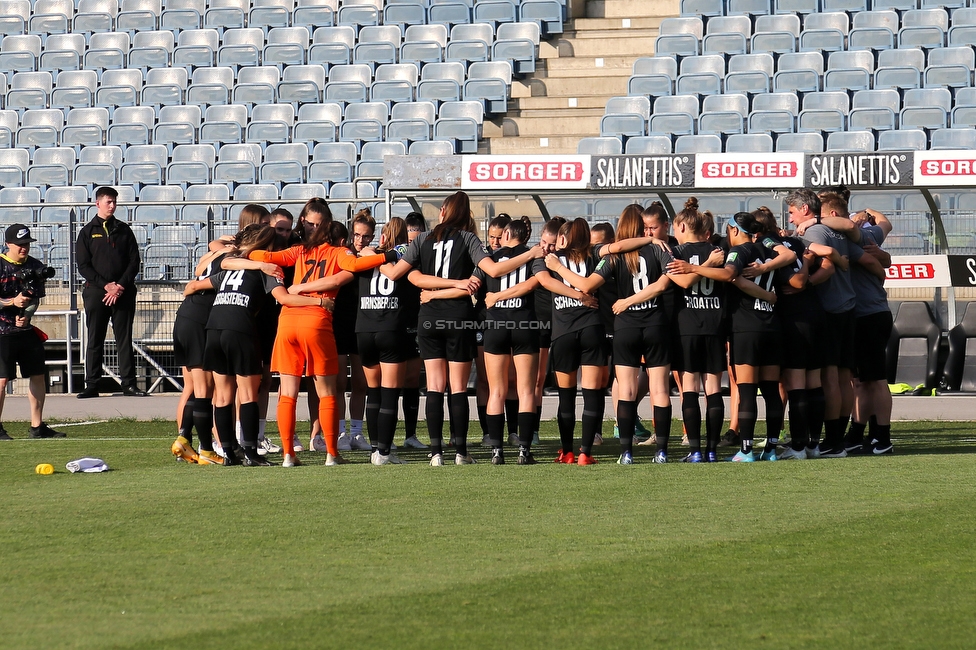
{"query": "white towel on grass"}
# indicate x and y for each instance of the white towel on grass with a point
(87, 465)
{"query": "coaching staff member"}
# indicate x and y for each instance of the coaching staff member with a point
(108, 259)
(21, 289)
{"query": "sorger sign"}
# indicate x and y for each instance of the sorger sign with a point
(907, 271)
(524, 172)
(749, 170)
(945, 168)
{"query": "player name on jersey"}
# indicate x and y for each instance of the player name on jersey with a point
(859, 170)
(235, 299)
(628, 172)
(379, 302)
(703, 302)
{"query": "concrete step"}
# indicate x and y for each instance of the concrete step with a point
(580, 86)
(590, 67)
(551, 103)
(584, 125)
(606, 47)
(564, 113)
(630, 8)
(644, 22)
(611, 33)
(526, 145)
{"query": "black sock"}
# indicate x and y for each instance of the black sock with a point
(224, 423)
(249, 426)
(833, 433)
(748, 414)
(482, 418)
(714, 419)
(844, 420)
(774, 412)
(884, 435)
(691, 416)
(496, 429)
(799, 416)
(386, 419)
(594, 405)
(525, 422)
(460, 413)
(817, 406)
(203, 419)
(511, 415)
(662, 426)
(855, 435)
(186, 420)
(626, 419)
(372, 414)
(435, 421)
(538, 419)
(566, 417)
(411, 410)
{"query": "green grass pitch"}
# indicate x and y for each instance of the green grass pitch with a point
(849, 553)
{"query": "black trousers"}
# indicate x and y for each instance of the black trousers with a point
(98, 315)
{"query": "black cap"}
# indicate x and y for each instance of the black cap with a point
(19, 234)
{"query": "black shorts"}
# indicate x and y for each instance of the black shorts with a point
(755, 349)
(704, 353)
(24, 348)
(449, 344)
(479, 338)
(232, 353)
(838, 340)
(803, 343)
(871, 339)
(189, 342)
(545, 333)
(632, 344)
(346, 340)
(585, 347)
(381, 347)
(511, 341)
(267, 333)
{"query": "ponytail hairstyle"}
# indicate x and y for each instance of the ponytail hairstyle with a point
(364, 216)
(630, 225)
(519, 229)
(765, 220)
(746, 222)
(694, 220)
(656, 211)
(577, 234)
(501, 221)
(251, 214)
(321, 234)
(394, 233)
(254, 237)
(457, 216)
(337, 233)
(553, 225)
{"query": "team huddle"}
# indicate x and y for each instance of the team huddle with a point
(799, 318)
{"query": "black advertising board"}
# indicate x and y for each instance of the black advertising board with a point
(962, 270)
(854, 170)
(642, 172)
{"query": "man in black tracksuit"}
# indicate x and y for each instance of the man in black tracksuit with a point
(108, 259)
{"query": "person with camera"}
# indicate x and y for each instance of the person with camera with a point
(21, 289)
(108, 259)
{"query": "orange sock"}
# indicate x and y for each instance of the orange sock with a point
(327, 420)
(286, 423)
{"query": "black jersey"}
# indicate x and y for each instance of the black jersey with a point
(346, 307)
(751, 314)
(240, 296)
(700, 310)
(652, 263)
(569, 314)
(454, 257)
(606, 295)
(794, 305)
(521, 308)
(196, 306)
(383, 302)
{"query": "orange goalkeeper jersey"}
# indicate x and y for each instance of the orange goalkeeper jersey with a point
(319, 262)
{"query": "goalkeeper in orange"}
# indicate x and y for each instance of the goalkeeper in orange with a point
(305, 344)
